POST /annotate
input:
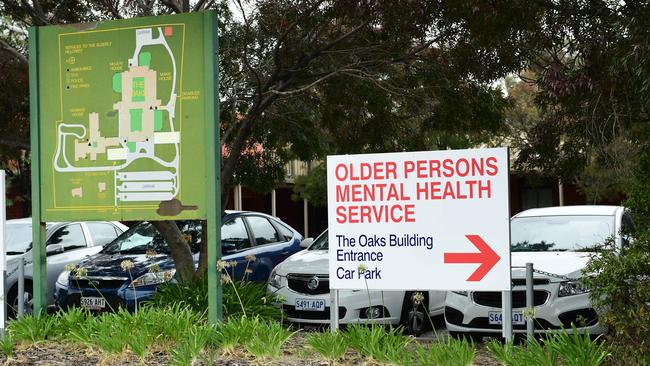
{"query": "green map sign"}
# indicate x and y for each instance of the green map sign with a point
(126, 116)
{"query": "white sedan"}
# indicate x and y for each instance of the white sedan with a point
(558, 241)
(301, 283)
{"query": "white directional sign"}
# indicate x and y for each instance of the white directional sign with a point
(434, 220)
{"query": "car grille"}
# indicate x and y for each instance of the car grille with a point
(291, 312)
(493, 299)
(97, 283)
(536, 281)
(300, 283)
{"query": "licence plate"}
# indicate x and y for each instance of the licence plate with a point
(496, 317)
(310, 304)
(93, 303)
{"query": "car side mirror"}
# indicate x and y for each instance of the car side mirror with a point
(305, 243)
(228, 247)
(54, 249)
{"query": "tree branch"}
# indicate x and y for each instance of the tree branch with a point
(14, 52)
(172, 5)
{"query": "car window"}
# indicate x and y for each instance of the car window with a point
(627, 228)
(18, 238)
(284, 231)
(71, 236)
(233, 233)
(560, 233)
(263, 231)
(102, 233)
(321, 243)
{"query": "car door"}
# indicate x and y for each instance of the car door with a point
(235, 243)
(269, 247)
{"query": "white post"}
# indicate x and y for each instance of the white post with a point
(560, 188)
(305, 214)
(273, 203)
(506, 320)
(237, 198)
(21, 287)
(334, 310)
(3, 254)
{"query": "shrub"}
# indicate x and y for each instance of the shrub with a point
(620, 290)
(252, 299)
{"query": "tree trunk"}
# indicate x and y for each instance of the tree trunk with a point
(179, 248)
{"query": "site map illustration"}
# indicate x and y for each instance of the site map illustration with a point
(130, 120)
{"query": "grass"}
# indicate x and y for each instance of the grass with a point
(185, 337)
(448, 352)
(560, 348)
(332, 346)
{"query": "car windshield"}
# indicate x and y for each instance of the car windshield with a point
(19, 238)
(560, 233)
(144, 237)
(320, 243)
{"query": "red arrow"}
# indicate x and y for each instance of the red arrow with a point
(487, 257)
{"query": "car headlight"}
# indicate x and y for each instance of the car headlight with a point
(275, 279)
(62, 280)
(153, 278)
(570, 288)
(461, 293)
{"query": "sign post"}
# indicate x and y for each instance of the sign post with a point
(435, 220)
(3, 253)
(124, 126)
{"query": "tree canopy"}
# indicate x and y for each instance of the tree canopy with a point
(306, 78)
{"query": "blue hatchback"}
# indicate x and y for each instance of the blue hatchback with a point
(255, 241)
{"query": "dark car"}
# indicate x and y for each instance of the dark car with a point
(256, 241)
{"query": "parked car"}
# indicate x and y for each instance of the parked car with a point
(558, 241)
(106, 286)
(67, 243)
(302, 284)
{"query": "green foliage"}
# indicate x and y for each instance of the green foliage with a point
(450, 351)
(313, 186)
(620, 290)
(532, 353)
(577, 349)
(330, 345)
(570, 349)
(194, 295)
(268, 339)
(235, 331)
(31, 329)
(191, 344)
(7, 345)
(378, 343)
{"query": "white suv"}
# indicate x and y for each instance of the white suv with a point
(558, 241)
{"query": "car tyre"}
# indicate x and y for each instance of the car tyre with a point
(12, 303)
(415, 318)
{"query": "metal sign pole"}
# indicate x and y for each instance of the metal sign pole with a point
(39, 287)
(3, 254)
(334, 310)
(506, 299)
(213, 159)
(530, 306)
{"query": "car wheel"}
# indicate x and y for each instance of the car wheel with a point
(414, 316)
(12, 303)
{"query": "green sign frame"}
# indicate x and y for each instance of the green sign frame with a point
(124, 126)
